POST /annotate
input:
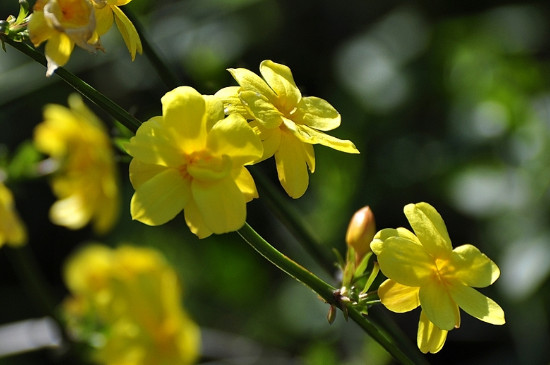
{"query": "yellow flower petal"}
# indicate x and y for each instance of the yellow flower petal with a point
(233, 137)
(398, 298)
(39, 30)
(429, 228)
(271, 139)
(161, 198)
(292, 166)
(128, 32)
(141, 172)
(279, 78)
(71, 212)
(12, 230)
(317, 113)
(249, 81)
(232, 102)
(58, 50)
(104, 19)
(476, 304)
(246, 184)
(261, 109)
(153, 146)
(429, 338)
(214, 110)
(377, 243)
(183, 110)
(404, 261)
(195, 221)
(473, 268)
(311, 136)
(221, 204)
(440, 308)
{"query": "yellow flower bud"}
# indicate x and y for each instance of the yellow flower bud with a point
(361, 231)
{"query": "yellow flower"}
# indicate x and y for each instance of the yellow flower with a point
(288, 123)
(192, 159)
(86, 183)
(126, 303)
(424, 269)
(12, 230)
(105, 11)
(62, 24)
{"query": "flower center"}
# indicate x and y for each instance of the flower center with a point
(201, 165)
(443, 269)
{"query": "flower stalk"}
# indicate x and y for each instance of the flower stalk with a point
(326, 292)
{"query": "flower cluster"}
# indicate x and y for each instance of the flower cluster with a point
(62, 24)
(193, 157)
(424, 270)
(86, 179)
(126, 304)
(287, 122)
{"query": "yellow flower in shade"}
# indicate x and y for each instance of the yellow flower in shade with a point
(288, 123)
(62, 24)
(86, 182)
(192, 159)
(105, 11)
(12, 230)
(424, 269)
(126, 304)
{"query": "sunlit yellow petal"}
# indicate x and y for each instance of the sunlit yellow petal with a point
(271, 139)
(183, 110)
(279, 78)
(104, 19)
(317, 113)
(261, 109)
(141, 172)
(161, 198)
(440, 308)
(71, 212)
(249, 81)
(291, 166)
(430, 229)
(404, 261)
(233, 136)
(472, 267)
(154, 149)
(377, 243)
(195, 220)
(429, 338)
(214, 110)
(128, 32)
(476, 304)
(246, 184)
(58, 50)
(310, 135)
(39, 31)
(232, 102)
(398, 298)
(222, 205)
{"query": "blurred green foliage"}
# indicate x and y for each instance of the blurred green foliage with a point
(449, 103)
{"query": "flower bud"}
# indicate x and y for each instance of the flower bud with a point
(361, 231)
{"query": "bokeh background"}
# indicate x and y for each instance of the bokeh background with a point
(448, 102)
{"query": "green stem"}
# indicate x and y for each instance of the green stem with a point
(293, 221)
(82, 87)
(325, 291)
(164, 72)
